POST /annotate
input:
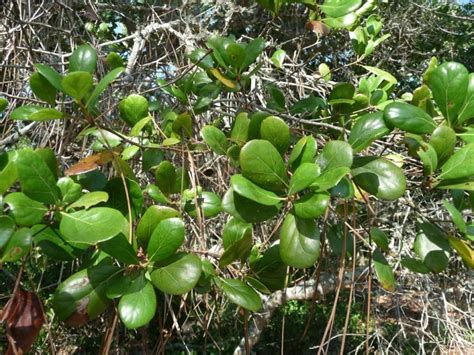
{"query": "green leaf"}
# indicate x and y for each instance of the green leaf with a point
(304, 175)
(53, 245)
(150, 220)
(408, 118)
(240, 129)
(308, 106)
(118, 198)
(166, 239)
(299, 242)
(236, 55)
(137, 306)
(253, 49)
(389, 78)
(77, 84)
(133, 108)
(466, 184)
(8, 173)
(380, 177)
(3, 104)
(179, 275)
(50, 74)
(81, 297)
(276, 100)
(344, 189)
(121, 249)
(7, 226)
(25, 211)
(102, 85)
(261, 163)
(303, 152)
(209, 202)
(443, 140)
(215, 139)
(114, 60)
(270, 269)
(240, 294)
(278, 57)
(42, 88)
(345, 21)
(202, 59)
(46, 115)
(183, 125)
(311, 205)
(24, 112)
(70, 190)
(165, 175)
(36, 179)
(367, 129)
(428, 157)
(324, 71)
(84, 58)
(460, 165)
(337, 8)
(415, 265)
(237, 241)
(89, 199)
(277, 132)
(456, 216)
(383, 271)
(467, 110)
(379, 238)
(17, 246)
(329, 178)
(449, 83)
(248, 189)
(91, 226)
(431, 245)
(335, 154)
(246, 209)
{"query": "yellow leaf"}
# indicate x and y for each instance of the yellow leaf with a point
(464, 250)
(226, 81)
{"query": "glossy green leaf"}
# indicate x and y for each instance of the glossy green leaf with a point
(379, 177)
(50, 74)
(253, 49)
(202, 59)
(24, 210)
(276, 101)
(8, 173)
(236, 54)
(466, 184)
(431, 245)
(150, 220)
(241, 294)
(367, 129)
(24, 112)
(415, 265)
(239, 132)
(52, 244)
(165, 175)
(179, 275)
(467, 110)
(237, 241)
(121, 249)
(81, 297)
(443, 140)
(278, 57)
(277, 132)
(248, 189)
(428, 157)
(70, 190)
(335, 154)
(456, 216)
(449, 83)
(383, 271)
(344, 189)
(379, 238)
(137, 306)
(460, 165)
(46, 115)
(299, 242)
(118, 197)
(246, 209)
(408, 118)
(3, 104)
(114, 60)
(329, 178)
(7, 227)
(42, 88)
(84, 58)
(345, 21)
(381, 73)
(89, 199)
(17, 246)
(215, 139)
(303, 176)
(303, 152)
(77, 84)
(337, 8)
(91, 226)
(183, 125)
(133, 108)
(261, 163)
(36, 179)
(311, 205)
(166, 238)
(270, 269)
(324, 71)
(102, 85)
(209, 202)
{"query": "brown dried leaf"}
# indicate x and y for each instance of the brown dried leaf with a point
(90, 163)
(24, 317)
(317, 27)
